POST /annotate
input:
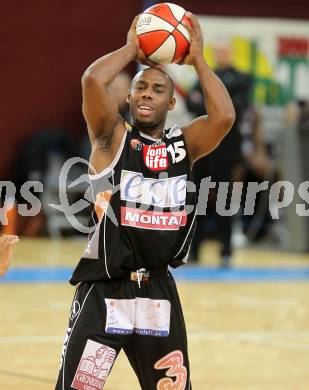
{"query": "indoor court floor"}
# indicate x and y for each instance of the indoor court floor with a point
(248, 327)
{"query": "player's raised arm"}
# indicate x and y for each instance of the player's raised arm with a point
(206, 132)
(100, 107)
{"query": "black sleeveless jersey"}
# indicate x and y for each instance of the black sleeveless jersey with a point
(144, 208)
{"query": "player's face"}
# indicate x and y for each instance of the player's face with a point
(150, 99)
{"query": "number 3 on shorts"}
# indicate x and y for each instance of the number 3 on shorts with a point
(174, 363)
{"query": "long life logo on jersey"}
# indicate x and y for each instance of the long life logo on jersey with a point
(155, 157)
(173, 362)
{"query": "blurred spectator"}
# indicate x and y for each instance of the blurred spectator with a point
(303, 115)
(225, 164)
(259, 166)
(35, 160)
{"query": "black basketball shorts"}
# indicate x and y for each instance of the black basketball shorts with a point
(145, 319)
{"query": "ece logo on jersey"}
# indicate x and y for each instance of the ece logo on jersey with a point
(161, 192)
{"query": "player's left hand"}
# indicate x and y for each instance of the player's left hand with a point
(6, 244)
(197, 41)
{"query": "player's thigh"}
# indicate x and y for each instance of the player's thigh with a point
(88, 352)
(159, 364)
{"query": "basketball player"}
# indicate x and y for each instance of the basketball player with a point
(144, 217)
(6, 246)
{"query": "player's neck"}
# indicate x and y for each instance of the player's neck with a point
(157, 132)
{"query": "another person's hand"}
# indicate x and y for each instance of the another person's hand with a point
(197, 42)
(132, 38)
(6, 244)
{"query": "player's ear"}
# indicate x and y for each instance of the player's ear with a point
(171, 104)
(128, 97)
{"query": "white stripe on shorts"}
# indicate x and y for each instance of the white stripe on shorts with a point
(65, 353)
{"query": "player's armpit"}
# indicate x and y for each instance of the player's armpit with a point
(105, 147)
(205, 133)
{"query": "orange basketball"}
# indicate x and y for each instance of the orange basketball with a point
(162, 36)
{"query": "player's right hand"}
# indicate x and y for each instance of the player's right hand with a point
(132, 38)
